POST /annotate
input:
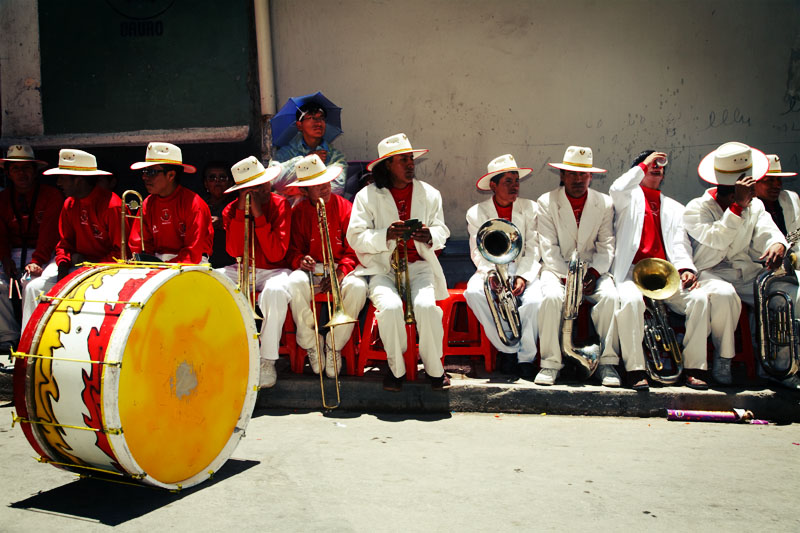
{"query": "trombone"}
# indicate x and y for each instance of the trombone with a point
(399, 264)
(336, 313)
(135, 204)
(247, 263)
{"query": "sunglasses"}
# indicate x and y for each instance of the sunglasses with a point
(217, 177)
(152, 172)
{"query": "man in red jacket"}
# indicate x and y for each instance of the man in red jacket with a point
(28, 232)
(177, 221)
(305, 257)
(88, 226)
(270, 219)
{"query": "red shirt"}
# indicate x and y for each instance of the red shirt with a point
(271, 232)
(90, 227)
(177, 224)
(652, 241)
(577, 206)
(402, 199)
(503, 212)
(306, 238)
(38, 232)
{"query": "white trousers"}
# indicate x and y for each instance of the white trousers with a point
(712, 307)
(528, 309)
(605, 305)
(391, 325)
(273, 302)
(354, 295)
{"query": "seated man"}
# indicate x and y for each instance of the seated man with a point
(377, 223)
(177, 222)
(503, 179)
(305, 256)
(88, 226)
(732, 232)
(310, 139)
(575, 217)
(28, 233)
(269, 221)
(649, 224)
(782, 205)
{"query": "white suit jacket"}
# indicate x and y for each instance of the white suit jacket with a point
(790, 204)
(374, 210)
(523, 215)
(719, 236)
(559, 235)
(629, 211)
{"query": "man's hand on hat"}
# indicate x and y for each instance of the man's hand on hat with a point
(773, 257)
(744, 191)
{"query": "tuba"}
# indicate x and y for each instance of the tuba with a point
(500, 242)
(124, 215)
(777, 330)
(587, 358)
(657, 280)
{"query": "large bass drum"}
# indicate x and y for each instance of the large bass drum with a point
(149, 373)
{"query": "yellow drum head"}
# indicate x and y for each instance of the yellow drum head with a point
(184, 377)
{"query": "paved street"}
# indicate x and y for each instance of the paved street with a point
(456, 472)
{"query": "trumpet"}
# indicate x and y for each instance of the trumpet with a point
(500, 242)
(402, 281)
(137, 204)
(247, 263)
(336, 312)
(777, 329)
(657, 280)
(587, 358)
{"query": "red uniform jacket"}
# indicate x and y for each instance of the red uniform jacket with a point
(39, 232)
(90, 226)
(271, 232)
(306, 238)
(178, 224)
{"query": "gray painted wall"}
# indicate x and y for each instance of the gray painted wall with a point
(472, 79)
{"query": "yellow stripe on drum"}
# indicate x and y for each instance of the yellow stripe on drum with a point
(183, 379)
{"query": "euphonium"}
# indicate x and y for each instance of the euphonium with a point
(399, 264)
(587, 358)
(777, 330)
(500, 242)
(123, 222)
(657, 280)
(247, 263)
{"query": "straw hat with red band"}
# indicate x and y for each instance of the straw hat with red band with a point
(249, 172)
(312, 171)
(731, 160)
(76, 163)
(395, 145)
(578, 159)
(159, 153)
(500, 165)
(775, 168)
(21, 153)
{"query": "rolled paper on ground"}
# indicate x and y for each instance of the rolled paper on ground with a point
(736, 415)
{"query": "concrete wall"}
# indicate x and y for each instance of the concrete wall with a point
(20, 78)
(472, 79)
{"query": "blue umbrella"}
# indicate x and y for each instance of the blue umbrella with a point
(283, 123)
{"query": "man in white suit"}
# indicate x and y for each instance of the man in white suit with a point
(731, 231)
(649, 224)
(782, 205)
(571, 217)
(503, 179)
(379, 217)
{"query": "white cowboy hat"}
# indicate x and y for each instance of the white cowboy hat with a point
(76, 163)
(394, 145)
(578, 159)
(500, 165)
(724, 165)
(21, 153)
(163, 154)
(249, 172)
(775, 168)
(312, 171)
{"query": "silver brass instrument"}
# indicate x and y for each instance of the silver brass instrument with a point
(399, 264)
(777, 329)
(336, 313)
(134, 204)
(587, 358)
(657, 280)
(500, 242)
(247, 263)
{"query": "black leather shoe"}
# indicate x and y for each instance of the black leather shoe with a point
(508, 363)
(393, 384)
(441, 382)
(526, 370)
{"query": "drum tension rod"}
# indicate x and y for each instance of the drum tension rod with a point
(44, 297)
(23, 355)
(15, 419)
(92, 468)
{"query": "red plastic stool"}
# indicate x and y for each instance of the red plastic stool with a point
(348, 351)
(472, 341)
(288, 342)
(371, 348)
(744, 344)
